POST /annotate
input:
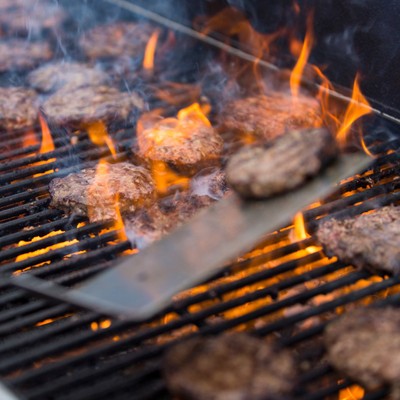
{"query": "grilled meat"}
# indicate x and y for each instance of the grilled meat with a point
(19, 54)
(85, 105)
(188, 144)
(27, 17)
(210, 182)
(116, 40)
(18, 108)
(263, 118)
(369, 241)
(95, 195)
(232, 366)
(152, 223)
(262, 171)
(364, 344)
(69, 75)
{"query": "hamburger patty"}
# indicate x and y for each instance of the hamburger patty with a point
(115, 40)
(369, 241)
(18, 108)
(267, 117)
(30, 17)
(152, 223)
(185, 142)
(19, 54)
(364, 344)
(89, 193)
(262, 171)
(233, 366)
(67, 75)
(90, 104)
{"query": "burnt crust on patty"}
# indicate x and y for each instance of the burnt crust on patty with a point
(18, 108)
(85, 105)
(230, 366)
(20, 54)
(149, 224)
(364, 344)
(115, 40)
(67, 75)
(370, 241)
(86, 193)
(263, 118)
(261, 171)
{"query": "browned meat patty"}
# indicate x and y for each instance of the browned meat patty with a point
(267, 117)
(232, 366)
(369, 241)
(30, 17)
(19, 108)
(20, 54)
(263, 171)
(186, 143)
(364, 344)
(209, 182)
(152, 223)
(87, 193)
(67, 75)
(89, 104)
(116, 40)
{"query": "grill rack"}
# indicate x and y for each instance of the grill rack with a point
(74, 358)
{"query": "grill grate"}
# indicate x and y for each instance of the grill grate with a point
(54, 351)
(285, 288)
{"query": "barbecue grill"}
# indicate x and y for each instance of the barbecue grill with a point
(286, 287)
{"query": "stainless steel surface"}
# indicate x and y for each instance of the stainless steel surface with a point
(5, 394)
(143, 284)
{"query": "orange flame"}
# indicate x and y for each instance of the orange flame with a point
(195, 112)
(148, 61)
(300, 231)
(298, 70)
(47, 141)
(98, 134)
(101, 180)
(358, 107)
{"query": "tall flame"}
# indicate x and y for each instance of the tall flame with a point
(358, 107)
(298, 70)
(101, 181)
(47, 144)
(98, 134)
(148, 61)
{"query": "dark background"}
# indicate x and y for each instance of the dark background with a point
(351, 36)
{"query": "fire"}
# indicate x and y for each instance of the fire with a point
(98, 134)
(357, 108)
(101, 180)
(100, 325)
(47, 144)
(173, 130)
(298, 70)
(353, 392)
(148, 62)
(300, 231)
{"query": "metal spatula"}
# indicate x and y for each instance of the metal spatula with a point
(143, 284)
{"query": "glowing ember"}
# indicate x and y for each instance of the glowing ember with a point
(95, 326)
(148, 62)
(101, 181)
(55, 246)
(351, 393)
(98, 134)
(358, 107)
(298, 70)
